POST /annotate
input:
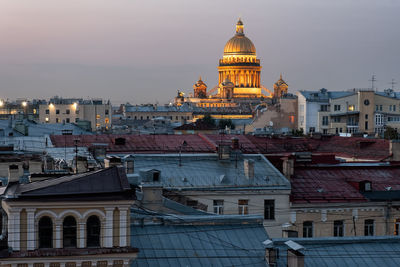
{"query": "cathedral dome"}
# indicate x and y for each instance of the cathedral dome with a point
(239, 44)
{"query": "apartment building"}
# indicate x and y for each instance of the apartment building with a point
(96, 112)
(224, 184)
(181, 114)
(334, 199)
(365, 111)
(314, 109)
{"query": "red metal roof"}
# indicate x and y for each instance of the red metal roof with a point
(340, 184)
(349, 147)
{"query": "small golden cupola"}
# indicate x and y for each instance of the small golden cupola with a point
(280, 88)
(200, 89)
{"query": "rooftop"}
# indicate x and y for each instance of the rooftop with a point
(346, 147)
(340, 183)
(344, 251)
(201, 171)
(211, 240)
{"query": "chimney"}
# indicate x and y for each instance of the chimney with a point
(235, 143)
(295, 258)
(112, 161)
(224, 151)
(270, 256)
(13, 173)
(394, 149)
(249, 168)
(288, 167)
(129, 164)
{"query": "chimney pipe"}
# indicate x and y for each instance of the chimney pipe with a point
(295, 258)
(249, 168)
(394, 148)
(235, 143)
(288, 167)
(13, 173)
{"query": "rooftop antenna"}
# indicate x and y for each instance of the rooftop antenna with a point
(393, 83)
(373, 80)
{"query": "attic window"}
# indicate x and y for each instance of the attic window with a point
(156, 176)
(120, 141)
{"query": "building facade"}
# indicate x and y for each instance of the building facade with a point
(78, 220)
(96, 112)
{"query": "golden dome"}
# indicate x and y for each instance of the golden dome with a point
(239, 44)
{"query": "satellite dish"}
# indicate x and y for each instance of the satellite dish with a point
(271, 123)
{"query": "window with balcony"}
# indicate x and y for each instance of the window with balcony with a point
(69, 232)
(243, 205)
(325, 120)
(351, 108)
(93, 227)
(45, 232)
(369, 227)
(269, 209)
(218, 205)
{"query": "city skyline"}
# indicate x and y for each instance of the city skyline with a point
(144, 52)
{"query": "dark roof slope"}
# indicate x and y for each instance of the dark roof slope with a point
(107, 181)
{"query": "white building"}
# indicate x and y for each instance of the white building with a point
(314, 109)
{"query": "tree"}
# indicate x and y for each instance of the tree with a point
(390, 133)
(223, 123)
(207, 119)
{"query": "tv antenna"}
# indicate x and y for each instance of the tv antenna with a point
(393, 83)
(373, 80)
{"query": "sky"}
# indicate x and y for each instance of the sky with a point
(144, 51)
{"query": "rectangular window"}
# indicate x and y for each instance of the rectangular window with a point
(269, 209)
(98, 117)
(324, 107)
(397, 227)
(76, 119)
(394, 107)
(67, 120)
(57, 120)
(243, 205)
(369, 227)
(366, 125)
(366, 116)
(106, 112)
(57, 111)
(376, 108)
(380, 107)
(218, 206)
(312, 130)
(390, 107)
(325, 131)
(325, 120)
(351, 108)
(67, 111)
(77, 112)
(291, 119)
(308, 229)
(47, 111)
(338, 228)
(336, 107)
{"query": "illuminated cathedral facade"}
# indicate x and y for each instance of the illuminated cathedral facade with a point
(239, 73)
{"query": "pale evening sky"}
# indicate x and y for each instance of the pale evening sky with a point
(144, 51)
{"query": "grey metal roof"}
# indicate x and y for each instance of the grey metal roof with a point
(318, 96)
(199, 244)
(205, 171)
(345, 251)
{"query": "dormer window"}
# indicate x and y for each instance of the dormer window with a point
(156, 176)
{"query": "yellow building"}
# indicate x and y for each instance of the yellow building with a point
(241, 66)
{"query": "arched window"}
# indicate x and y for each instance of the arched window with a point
(69, 232)
(93, 227)
(45, 232)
